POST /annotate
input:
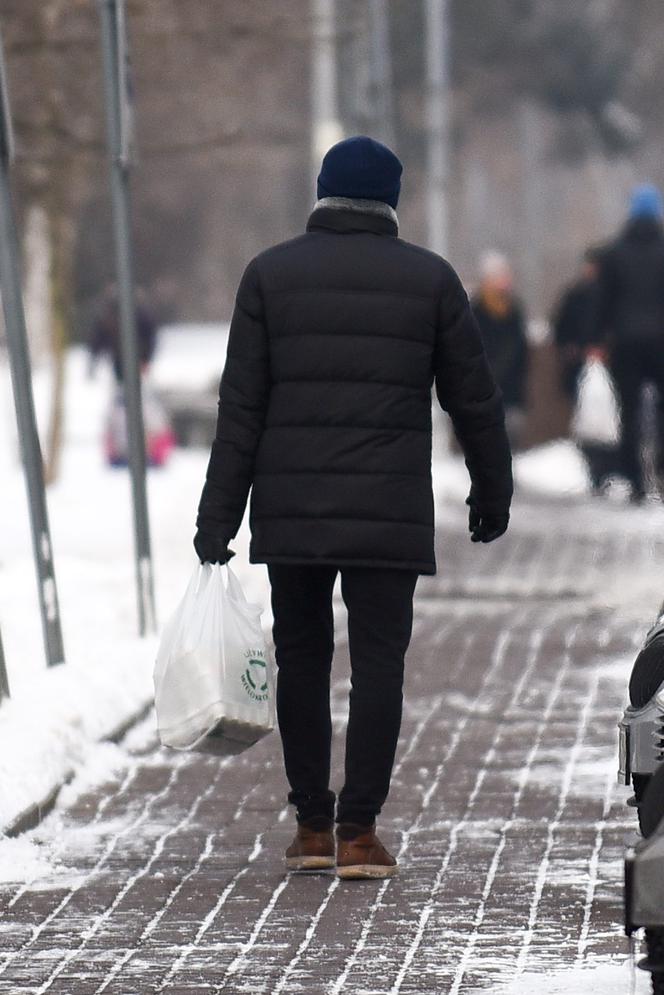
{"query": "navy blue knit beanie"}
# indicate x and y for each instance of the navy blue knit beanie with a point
(360, 167)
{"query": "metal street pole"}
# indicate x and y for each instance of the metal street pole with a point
(19, 362)
(118, 123)
(381, 71)
(326, 126)
(437, 116)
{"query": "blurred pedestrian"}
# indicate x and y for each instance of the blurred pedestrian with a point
(105, 339)
(105, 334)
(572, 321)
(629, 322)
(502, 324)
(325, 408)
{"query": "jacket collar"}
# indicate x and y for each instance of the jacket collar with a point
(353, 214)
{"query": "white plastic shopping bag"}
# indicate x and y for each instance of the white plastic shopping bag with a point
(596, 419)
(213, 678)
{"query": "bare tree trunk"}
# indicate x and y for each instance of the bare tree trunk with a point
(37, 280)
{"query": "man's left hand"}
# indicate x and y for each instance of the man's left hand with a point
(211, 549)
(485, 527)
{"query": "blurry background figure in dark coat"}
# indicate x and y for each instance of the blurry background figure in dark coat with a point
(629, 322)
(502, 324)
(572, 324)
(572, 321)
(105, 339)
(105, 335)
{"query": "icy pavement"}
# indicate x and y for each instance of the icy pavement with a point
(161, 873)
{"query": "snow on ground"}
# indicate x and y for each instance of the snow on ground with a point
(35, 857)
(50, 725)
(183, 361)
(605, 979)
(56, 715)
(554, 468)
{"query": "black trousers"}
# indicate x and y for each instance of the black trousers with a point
(380, 619)
(633, 364)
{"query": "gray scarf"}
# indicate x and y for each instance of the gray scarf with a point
(359, 204)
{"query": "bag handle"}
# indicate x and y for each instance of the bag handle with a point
(234, 587)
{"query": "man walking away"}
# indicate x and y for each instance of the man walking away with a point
(337, 338)
(105, 336)
(629, 320)
(571, 322)
(502, 324)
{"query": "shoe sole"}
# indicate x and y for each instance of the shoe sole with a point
(357, 871)
(309, 863)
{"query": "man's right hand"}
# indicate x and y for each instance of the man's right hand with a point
(211, 549)
(598, 352)
(485, 527)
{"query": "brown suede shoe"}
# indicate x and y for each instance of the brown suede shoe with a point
(360, 854)
(313, 846)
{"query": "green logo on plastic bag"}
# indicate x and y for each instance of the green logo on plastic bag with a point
(254, 678)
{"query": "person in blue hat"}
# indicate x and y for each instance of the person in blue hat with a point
(629, 323)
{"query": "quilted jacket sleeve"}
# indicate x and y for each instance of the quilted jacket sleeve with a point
(467, 390)
(243, 395)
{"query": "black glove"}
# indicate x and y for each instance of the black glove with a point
(485, 527)
(211, 549)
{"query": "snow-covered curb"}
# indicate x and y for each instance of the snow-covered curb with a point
(56, 719)
(52, 726)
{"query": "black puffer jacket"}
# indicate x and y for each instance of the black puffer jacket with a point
(630, 294)
(325, 399)
(506, 348)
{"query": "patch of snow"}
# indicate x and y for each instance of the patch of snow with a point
(53, 725)
(190, 356)
(556, 468)
(462, 704)
(607, 979)
(143, 736)
(22, 859)
(55, 716)
(102, 762)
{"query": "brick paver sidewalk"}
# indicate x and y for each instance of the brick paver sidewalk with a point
(504, 811)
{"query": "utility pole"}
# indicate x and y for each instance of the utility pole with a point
(19, 361)
(436, 39)
(381, 71)
(531, 199)
(326, 127)
(118, 123)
